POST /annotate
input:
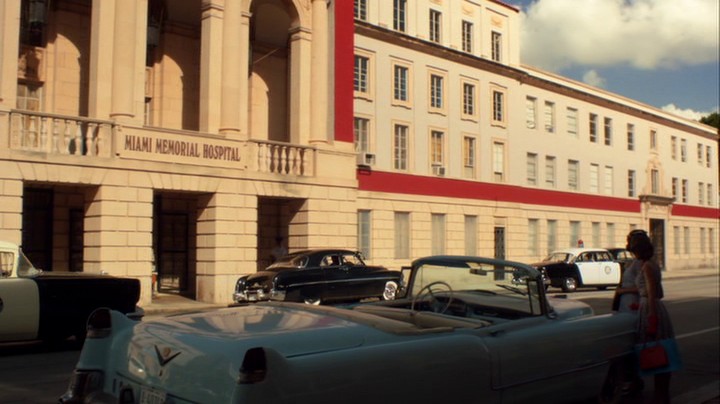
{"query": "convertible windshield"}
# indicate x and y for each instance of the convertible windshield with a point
(515, 287)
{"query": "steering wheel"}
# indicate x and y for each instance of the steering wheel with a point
(434, 301)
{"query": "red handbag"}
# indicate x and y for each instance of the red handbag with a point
(653, 357)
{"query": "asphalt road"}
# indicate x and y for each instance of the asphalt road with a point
(37, 373)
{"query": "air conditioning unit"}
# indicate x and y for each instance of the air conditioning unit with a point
(366, 159)
(438, 169)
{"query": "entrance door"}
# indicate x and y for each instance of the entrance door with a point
(172, 254)
(37, 226)
(500, 251)
(657, 236)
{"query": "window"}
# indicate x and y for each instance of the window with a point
(573, 174)
(532, 169)
(593, 128)
(468, 99)
(630, 136)
(469, 157)
(400, 147)
(683, 150)
(33, 23)
(470, 235)
(550, 171)
(362, 65)
(653, 139)
(549, 117)
(29, 96)
(676, 239)
(361, 10)
(362, 143)
(655, 182)
(400, 83)
(684, 191)
(551, 236)
(436, 91)
(436, 148)
(496, 46)
(710, 195)
(364, 233)
(400, 15)
(594, 178)
(711, 239)
(596, 233)
(673, 147)
(499, 161)
(700, 154)
(631, 183)
(437, 223)
(686, 230)
(498, 106)
(701, 193)
(702, 240)
(675, 187)
(467, 36)
(608, 131)
(533, 226)
(708, 156)
(572, 121)
(435, 25)
(574, 233)
(610, 228)
(402, 235)
(530, 105)
(608, 183)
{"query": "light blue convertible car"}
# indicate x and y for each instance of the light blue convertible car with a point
(467, 330)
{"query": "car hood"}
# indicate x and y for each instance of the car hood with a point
(198, 356)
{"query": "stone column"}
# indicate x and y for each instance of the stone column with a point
(227, 242)
(211, 65)
(300, 85)
(126, 34)
(9, 48)
(118, 231)
(102, 28)
(232, 49)
(319, 108)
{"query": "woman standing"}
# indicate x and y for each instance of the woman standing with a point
(653, 319)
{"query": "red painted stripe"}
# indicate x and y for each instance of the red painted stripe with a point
(378, 181)
(344, 70)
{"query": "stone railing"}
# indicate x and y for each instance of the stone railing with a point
(281, 158)
(60, 134)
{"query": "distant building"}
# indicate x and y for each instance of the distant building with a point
(183, 138)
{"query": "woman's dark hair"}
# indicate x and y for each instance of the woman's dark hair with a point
(639, 244)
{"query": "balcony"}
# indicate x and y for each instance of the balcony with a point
(81, 137)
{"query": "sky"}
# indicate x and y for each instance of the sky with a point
(664, 53)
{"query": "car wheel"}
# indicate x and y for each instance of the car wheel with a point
(315, 301)
(390, 291)
(569, 284)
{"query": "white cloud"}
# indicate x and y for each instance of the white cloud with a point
(685, 113)
(645, 34)
(593, 78)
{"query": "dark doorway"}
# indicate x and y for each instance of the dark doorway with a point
(499, 251)
(171, 243)
(75, 240)
(37, 226)
(657, 236)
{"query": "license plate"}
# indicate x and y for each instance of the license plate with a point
(150, 396)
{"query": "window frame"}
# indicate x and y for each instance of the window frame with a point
(407, 68)
(435, 26)
(401, 153)
(358, 91)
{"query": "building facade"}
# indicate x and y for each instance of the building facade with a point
(175, 141)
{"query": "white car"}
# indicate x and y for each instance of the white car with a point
(571, 268)
(465, 329)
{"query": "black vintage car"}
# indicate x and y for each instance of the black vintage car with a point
(52, 306)
(319, 276)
